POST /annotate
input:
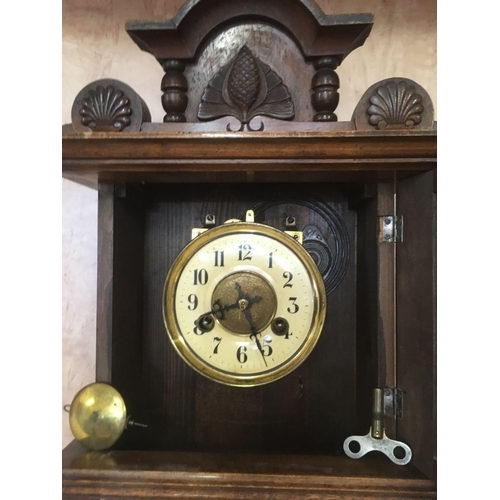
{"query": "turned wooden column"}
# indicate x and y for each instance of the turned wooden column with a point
(325, 85)
(174, 87)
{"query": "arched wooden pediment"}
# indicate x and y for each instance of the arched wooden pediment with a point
(316, 34)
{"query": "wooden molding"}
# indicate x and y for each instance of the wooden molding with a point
(317, 34)
(196, 156)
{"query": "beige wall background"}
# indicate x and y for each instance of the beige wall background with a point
(95, 45)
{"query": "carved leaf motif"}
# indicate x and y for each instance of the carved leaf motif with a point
(245, 88)
(105, 109)
(395, 106)
(277, 102)
(214, 104)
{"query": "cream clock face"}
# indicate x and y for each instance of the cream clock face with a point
(244, 304)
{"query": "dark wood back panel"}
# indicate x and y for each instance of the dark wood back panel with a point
(120, 298)
(311, 410)
(368, 366)
(169, 383)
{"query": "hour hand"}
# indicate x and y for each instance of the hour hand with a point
(240, 292)
(218, 310)
(244, 301)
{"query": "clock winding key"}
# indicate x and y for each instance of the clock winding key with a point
(376, 439)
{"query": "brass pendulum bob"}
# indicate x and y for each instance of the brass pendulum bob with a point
(98, 416)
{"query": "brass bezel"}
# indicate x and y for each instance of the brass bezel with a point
(173, 330)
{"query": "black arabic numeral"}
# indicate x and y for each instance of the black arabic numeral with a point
(219, 258)
(244, 248)
(200, 276)
(193, 302)
(295, 306)
(241, 354)
(270, 260)
(218, 340)
(265, 344)
(288, 276)
(196, 330)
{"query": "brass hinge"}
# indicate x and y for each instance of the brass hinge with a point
(393, 402)
(390, 229)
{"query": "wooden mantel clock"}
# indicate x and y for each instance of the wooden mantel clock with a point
(254, 285)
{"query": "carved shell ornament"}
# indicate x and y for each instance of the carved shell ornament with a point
(395, 105)
(245, 88)
(105, 108)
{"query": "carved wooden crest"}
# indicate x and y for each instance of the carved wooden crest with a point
(108, 105)
(245, 88)
(324, 40)
(105, 108)
(394, 104)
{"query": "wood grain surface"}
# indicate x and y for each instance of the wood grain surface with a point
(195, 156)
(416, 335)
(168, 475)
(151, 225)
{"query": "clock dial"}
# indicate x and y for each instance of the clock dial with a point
(244, 304)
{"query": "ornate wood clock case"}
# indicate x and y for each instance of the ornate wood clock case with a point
(254, 285)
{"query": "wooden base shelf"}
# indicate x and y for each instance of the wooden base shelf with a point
(158, 474)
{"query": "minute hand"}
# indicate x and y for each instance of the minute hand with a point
(248, 317)
(254, 334)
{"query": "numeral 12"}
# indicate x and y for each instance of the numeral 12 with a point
(244, 248)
